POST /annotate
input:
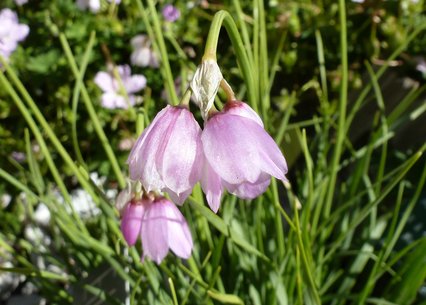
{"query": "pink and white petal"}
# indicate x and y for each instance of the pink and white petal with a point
(230, 148)
(244, 110)
(135, 83)
(141, 57)
(179, 235)
(271, 159)
(104, 81)
(181, 152)
(138, 41)
(179, 199)
(8, 14)
(131, 222)
(110, 100)
(21, 31)
(94, 5)
(152, 150)
(212, 186)
(154, 232)
(134, 160)
(247, 190)
(124, 71)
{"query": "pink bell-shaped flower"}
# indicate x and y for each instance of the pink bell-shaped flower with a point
(164, 227)
(160, 225)
(168, 154)
(240, 155)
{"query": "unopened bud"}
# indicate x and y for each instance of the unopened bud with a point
(205, 84)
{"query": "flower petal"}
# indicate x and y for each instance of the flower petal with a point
(242, 109)
(180, 154)
(179, 235)
(131, 222)
(154, 232)
(104, 81)
(230, 147)
(212, 186)
(142, 158)
(247, 190)
(134, 83)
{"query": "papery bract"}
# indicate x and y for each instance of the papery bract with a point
(205, 84)
(240, 154)
(168, 154)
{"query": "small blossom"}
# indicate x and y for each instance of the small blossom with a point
(205, 84)
(160, 225)
(143, 55)
(113, 96)
(93, 5)
(240, 155)
(170, 13)
(19, 156)
(11, 32)
(168, 154)
(20, 2)
(421, 67)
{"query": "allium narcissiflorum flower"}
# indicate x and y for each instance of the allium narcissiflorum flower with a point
(113, 96)
(143, 55)
(11, 32)
(240, 155)
(170, 13)
(160, 225)
(168, 154)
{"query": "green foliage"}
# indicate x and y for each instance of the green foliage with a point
(338, 86)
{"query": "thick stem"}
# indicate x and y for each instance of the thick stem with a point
(223, 17)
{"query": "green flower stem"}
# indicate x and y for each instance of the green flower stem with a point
(92, 114)
(44, 124)
(243, 27)
(228, 90)
(341, 130)
(186, 98)
(75, 98)
(263, 61)
(156, 34)
(38, 135)
(223, 17)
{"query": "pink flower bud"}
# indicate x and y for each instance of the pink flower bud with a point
(131, 222)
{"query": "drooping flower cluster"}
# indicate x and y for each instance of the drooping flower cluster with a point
(119, 87)
(11, 32)
(160, 226)
(233, 152)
